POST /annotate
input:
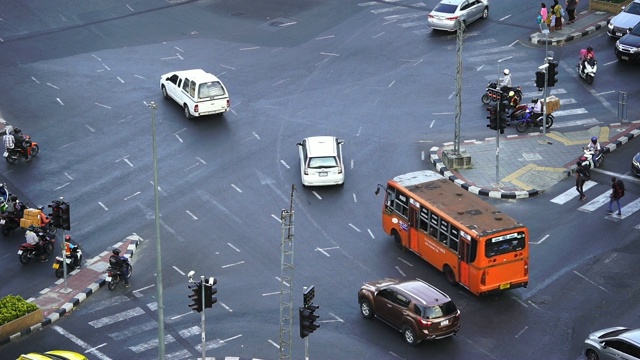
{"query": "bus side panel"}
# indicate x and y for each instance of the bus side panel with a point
(435, 253)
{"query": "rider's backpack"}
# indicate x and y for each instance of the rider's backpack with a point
(114, 261)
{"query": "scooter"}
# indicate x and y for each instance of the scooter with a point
(12, 155)
(587, 159)
(589, 71)
(114, 275)
(70, 262)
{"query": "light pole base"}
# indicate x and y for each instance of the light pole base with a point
(452, 160)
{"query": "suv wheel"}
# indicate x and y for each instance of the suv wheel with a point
(365, 309)
(409, 335)
(591, 355)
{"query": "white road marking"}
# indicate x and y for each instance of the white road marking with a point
(61, 186)
(191, 214)
(36, 80)
(104, 106)
(316, 194)
(53, 86)
(583, 122)
(90, 128)
(329, 54)
(405, 261)
(582, 276)
(97, 58)
(60, 101)
(578, 111)
(237, 188)
(383, 10)
(178, 270)
(250, 48)
(255, 135)
(227, 67)
(596, 203)
(522, 331)
(234, 264)
(80, 343)
(325, 37)
(233, 247)
(118, 77)
(400, 271)
(354, 198)
(101, 204)
(130, 196)
(540, 241)
(355, 228)
(275, 217)
(108, 320)
(371, 234)
(572, 193)
(505, 17)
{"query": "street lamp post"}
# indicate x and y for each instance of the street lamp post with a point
(499, 118)
(152, 105)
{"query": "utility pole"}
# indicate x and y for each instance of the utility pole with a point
(286, 280)
(456, 134)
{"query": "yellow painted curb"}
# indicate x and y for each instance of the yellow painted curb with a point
(513, 177)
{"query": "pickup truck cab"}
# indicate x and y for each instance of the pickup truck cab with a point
(197, 91)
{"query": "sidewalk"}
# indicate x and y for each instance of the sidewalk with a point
(529, 163)
(587, 22)
(60, 300)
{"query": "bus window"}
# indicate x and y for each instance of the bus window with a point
(444, 232)
(424, 220)
(401, 204)
(504, 244)
(453, 239)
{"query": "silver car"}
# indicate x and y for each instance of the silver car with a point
(445, 15)
(627, 19)
(613, 343)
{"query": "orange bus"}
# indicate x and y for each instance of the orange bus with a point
(472, 242)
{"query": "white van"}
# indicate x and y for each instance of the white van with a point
(321, 161)
(197, 91)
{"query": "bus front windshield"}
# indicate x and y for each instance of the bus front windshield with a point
(505, 244)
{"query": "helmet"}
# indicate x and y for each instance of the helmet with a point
(511, 93)
(31, 228)
(589, 49)
(506, 72)
(67, 237)
(116, 252)
(17, 131)
(594, 139)
(40, 207)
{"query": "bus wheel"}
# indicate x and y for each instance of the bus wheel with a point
(451, 277)
(396, 238)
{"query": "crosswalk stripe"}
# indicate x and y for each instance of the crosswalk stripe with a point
(571, 193)
(123, 334)
(383, 10)
(108, 320)
(403, 16)
(590, 121)
(570, 112)
(412, 24)
(151, 344)
(567, 101)
(596, 203)
(627, 210)
(539, 95)
(472, 43)
(178, 355)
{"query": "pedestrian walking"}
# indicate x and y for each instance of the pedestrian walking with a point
(617, 192)
(544, 16)
(557, 15)
(582, 176)
(571, 10)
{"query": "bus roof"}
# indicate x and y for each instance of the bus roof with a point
(466, 208)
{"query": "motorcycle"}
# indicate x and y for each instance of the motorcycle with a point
(589, 71)
(71, 265)
(12, 155)
(528, 118)
(587, 159)
(9, 222)
(28, 251)
(114, 275)
(490, 96)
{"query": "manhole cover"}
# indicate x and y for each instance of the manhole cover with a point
(237, 14)
(276, 23)
(531, 156)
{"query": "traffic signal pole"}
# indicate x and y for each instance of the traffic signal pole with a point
(204, 348)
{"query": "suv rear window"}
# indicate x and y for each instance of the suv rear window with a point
(323, 162)
(437, 311)
(210, 89)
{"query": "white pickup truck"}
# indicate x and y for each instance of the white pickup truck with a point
(197, 91)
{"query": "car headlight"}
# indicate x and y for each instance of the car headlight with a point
(610, 26)
(633, 50)
(618, 44)
(636, 163)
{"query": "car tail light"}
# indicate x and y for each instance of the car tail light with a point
(425, 323)
(195, 108)
(430, 16)
(228, 103)
(340, 169)
(306, 170)
(453, 18)
(483, 278)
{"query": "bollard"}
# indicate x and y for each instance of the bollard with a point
(622, 106)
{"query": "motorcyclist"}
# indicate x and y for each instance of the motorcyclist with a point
(586, 55)
(32, 239)
(8, 140)
(44, 219)
(505, 81)
(594, 146)
(19, 143)
(69, 250)
(118, 262)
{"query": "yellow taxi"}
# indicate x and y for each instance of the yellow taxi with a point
(53, 355)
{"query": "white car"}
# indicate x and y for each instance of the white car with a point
(197, 91)
(448, 12)
(321, 161)
(625, 20)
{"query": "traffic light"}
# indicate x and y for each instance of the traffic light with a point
(209, 292)
(308, 320)
(540, 80)
(494, 94)
(552, 73)
(55, 213)
(65, 219)
(493, 117)
(196, 296)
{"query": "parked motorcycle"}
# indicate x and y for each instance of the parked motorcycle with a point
(529, 118)
(28, 251)
(71, 265)
(12, 155)
(114, 275)
(589, 71)
(587, 159)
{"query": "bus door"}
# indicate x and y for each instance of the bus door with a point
(464, 250)
(413, 243)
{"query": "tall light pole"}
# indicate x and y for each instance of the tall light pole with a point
(499, 119)
(152, 105)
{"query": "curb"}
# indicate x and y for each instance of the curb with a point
(538, 40)
(520, 194)
(76, 300)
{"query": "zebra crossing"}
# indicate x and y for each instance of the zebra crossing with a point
(599, 201)
(481, 52)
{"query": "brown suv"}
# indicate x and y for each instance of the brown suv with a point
(418, 309)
